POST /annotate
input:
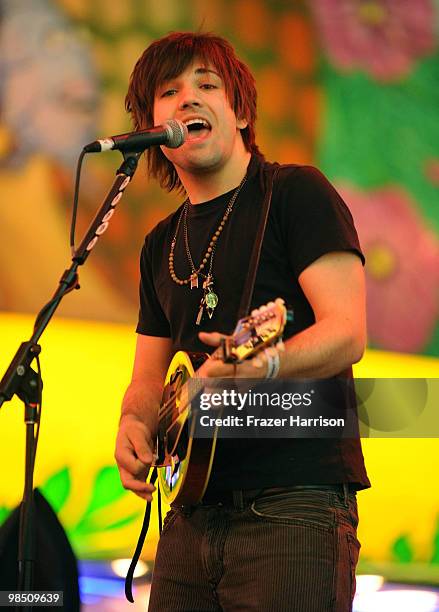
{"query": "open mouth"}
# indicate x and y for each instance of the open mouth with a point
(197, 128)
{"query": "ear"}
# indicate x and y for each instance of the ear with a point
(241, 124)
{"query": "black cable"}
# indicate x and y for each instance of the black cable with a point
(75, 202)
(72, 236)
(67, 289)
(38, 415)
(49, 304)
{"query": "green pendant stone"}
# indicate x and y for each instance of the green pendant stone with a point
(211, 299)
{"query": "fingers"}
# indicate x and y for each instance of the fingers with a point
(134, 456)
(138, 438)
(256, 367)
(258, 361)
(218, 369)
(212, 338)
(139, 487)
(212, 368)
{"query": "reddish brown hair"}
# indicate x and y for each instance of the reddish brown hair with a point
(166, 59)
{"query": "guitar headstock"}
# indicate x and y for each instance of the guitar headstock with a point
(263, 327)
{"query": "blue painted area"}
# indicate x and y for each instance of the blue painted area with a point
(90, 600)
(103, 587)
(96, 569)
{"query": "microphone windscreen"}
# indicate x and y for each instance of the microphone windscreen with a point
(177, 134)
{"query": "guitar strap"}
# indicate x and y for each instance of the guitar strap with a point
(141, 540)
(269, 175)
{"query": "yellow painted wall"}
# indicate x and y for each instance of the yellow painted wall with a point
(86, 367)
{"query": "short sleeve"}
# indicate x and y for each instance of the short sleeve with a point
(152, 320)
(315, 218)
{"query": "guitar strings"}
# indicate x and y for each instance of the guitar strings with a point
(168, 406)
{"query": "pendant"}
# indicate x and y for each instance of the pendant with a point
(207, 282)
(194, 281)
(211, 301)
(200, 312)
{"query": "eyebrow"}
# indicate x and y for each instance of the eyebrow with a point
(204, 70)
(198, 71)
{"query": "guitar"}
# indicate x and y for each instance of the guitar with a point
(184, 462)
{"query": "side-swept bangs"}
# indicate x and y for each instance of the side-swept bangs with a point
(164, 60)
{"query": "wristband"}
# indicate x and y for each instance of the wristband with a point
(273, 363)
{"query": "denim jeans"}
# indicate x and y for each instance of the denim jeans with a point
(293, 551)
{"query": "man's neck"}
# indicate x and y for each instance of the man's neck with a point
(206, 185)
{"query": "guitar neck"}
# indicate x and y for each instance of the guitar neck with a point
(252, 334)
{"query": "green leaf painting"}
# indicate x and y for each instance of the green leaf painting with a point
(56, 489)
(402, 550)
(4, 513)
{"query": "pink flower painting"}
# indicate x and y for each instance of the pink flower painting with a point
(382, 37)
(402, 268)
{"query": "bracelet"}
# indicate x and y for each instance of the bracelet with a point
(273, 363)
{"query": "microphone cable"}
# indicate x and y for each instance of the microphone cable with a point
(75, 202)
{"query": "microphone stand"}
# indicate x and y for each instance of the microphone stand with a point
(21, 380)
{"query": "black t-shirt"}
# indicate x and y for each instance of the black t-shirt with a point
(307, 219)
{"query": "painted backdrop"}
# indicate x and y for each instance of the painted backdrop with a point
(351, 86)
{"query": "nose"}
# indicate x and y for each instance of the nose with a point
(189, 99)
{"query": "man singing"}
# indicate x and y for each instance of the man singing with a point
(276, 528)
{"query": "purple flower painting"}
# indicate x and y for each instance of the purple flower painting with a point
(402, 267)
(381, 37)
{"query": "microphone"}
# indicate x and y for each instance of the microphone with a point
(171, 134)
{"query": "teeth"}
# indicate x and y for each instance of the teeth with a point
(192, 121)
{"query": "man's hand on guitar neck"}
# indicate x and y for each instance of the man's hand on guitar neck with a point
(216, 368)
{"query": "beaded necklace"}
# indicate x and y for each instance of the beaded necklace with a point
(209, 301)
